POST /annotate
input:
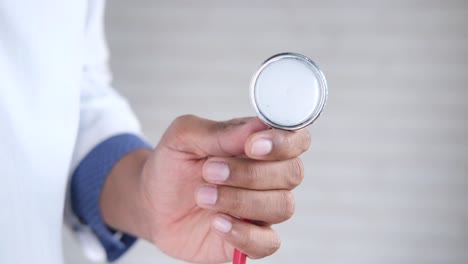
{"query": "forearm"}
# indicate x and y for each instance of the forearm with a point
(120, 202)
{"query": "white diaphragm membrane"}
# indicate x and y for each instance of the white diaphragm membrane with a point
(288, 91)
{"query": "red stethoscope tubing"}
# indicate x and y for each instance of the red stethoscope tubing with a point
(239, 257)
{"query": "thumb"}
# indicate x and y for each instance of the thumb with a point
(202, 137)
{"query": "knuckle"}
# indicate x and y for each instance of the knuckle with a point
(296, 173)
(274, 245)
(177, 136)
(247, 241)
(235, 201)
(287, 141)
(288, 205)
(252, 174)
(270, 245)
(179, 126)
(222, 125)
(183, 119)
(306, 139)
(287, 146)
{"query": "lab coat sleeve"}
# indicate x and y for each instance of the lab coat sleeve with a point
(107, 131)
(97, 239)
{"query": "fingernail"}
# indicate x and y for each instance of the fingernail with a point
(261, 147)
(222, 224)
(216, 171)
(207, 195)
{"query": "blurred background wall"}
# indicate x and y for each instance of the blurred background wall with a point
(387, 175)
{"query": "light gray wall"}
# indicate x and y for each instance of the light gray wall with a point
(387, 173)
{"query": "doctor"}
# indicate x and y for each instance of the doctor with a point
(68, 140)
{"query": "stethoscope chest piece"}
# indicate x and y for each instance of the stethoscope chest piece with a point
(288, 91)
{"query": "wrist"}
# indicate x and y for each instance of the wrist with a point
(120, 202)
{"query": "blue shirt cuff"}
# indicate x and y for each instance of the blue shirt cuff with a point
(86, 186)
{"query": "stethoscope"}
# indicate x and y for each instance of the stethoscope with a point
(288, 92)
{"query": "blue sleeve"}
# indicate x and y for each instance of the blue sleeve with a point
(86, 185)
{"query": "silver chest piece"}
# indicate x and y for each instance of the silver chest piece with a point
(288, 91)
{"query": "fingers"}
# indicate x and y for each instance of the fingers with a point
(275, 144)
(253, 174)
(255, 241)
(272, 207)
(202, 137)
(249, 136)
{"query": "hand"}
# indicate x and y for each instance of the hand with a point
(204, 175)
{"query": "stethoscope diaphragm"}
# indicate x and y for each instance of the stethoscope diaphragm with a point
(288, 91)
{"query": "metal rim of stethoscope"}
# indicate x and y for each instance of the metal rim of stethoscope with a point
(318, 74)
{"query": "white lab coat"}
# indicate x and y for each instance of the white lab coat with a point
(55, 106)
